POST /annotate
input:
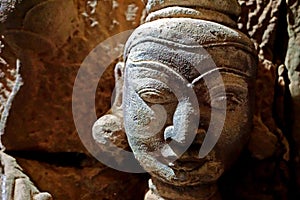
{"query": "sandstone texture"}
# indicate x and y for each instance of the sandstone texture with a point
(15, 184)
(292, 63)
(84, 180)
(51, 38)
(261, 19)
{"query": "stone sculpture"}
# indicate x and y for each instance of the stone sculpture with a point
(51, 38)
(15, 184)
(292, 62)
(6, 7)
(162, 62)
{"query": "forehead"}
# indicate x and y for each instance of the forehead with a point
(192, 61)
(150, 74)
(152, 54)
(210, 77)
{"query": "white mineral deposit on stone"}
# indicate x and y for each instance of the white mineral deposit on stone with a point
(84, 14)
(7, 6)
(115, 4)
(114, 23)
(89, 13)
(94, 22)
(92, 5)
(131, 12)
(15, 88)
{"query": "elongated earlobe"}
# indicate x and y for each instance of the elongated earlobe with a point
(108, 130)
(116, 108)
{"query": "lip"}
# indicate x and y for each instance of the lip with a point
(190, 161)
(187, 165)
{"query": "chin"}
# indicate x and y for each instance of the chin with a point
(208, 173)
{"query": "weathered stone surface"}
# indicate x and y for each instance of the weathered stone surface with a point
(266, 138)
(170, 74)
(229, 7)
(268, 146)
(292, 63)
(260, 20)
(52, 38)
(180, 112)
(86, 182)
(10, 83)
(6, 7)
(15, 184)
(216, 11)
(293, 53)
(41, 117)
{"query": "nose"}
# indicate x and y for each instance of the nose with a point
(169, 133)
(180, 135)
(176, 149)
(178, 142)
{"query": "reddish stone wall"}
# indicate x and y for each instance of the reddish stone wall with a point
(53, 37)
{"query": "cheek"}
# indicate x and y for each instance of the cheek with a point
(137, 115)
(235, 134)
(143, 123)
(237, 124)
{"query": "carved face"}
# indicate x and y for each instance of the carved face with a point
(155, 114)
(160, 112)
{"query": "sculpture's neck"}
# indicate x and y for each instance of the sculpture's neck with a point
(162, 191)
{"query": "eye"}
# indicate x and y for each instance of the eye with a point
(231, 101)
(219, 102)
(156, 96)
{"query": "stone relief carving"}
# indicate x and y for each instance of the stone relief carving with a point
(260, 22)
(292, 62)
(6, 7)
(15, 184)
(158, 58)
(51, 38)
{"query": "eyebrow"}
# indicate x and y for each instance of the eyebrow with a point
(155, 65)
(203, 75)
(223, 69)
(236, 72)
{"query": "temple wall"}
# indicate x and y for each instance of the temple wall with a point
(52, 38)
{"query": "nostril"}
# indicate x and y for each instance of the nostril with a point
(169, 133)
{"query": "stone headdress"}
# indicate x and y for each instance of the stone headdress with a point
(177, 34)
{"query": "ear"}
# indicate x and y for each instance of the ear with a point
(116, 108)
(108, 131)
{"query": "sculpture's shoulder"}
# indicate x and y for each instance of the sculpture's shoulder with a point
(16, 184)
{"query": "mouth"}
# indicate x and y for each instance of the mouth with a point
(187, 165)
(190, 160)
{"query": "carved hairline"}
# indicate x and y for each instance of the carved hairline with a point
(230, 7)
(164, 31)
(138, 41)
(195, 13)
(190, 50)
(219, 69)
